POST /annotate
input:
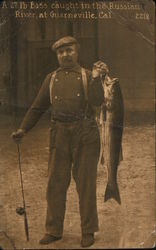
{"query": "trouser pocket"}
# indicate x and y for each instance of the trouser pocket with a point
(90, 132)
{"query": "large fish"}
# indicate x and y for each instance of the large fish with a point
(111, 119)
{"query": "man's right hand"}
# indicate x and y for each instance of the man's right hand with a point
(18, 135)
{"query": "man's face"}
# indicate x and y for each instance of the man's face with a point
(67, 55)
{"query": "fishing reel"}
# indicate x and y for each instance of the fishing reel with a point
(20, 210)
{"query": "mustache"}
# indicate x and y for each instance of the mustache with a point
(66, 59)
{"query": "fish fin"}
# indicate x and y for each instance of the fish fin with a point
(112, 193)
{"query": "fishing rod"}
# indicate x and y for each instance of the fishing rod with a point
(22, 210)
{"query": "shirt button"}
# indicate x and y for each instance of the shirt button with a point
(56, 80)
(66, 72)
(78, 94)
(56, 97)
(78, 78)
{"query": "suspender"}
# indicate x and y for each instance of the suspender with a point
(84, 81)
(51, 85)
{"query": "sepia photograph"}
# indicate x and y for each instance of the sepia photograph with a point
(77, 124)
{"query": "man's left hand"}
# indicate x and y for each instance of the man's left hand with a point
(99, 69)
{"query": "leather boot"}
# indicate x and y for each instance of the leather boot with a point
(87, 240)
(48, 238)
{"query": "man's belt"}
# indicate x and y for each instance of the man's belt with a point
(70, 119)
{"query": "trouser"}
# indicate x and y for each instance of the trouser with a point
(74, 147)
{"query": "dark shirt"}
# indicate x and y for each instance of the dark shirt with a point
(68, 99)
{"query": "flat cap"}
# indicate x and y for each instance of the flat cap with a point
(64, 41)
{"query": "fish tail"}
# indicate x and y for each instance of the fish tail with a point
(112, 193)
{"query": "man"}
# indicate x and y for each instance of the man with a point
(74, 137)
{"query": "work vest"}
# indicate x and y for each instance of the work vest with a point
(84, 81)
